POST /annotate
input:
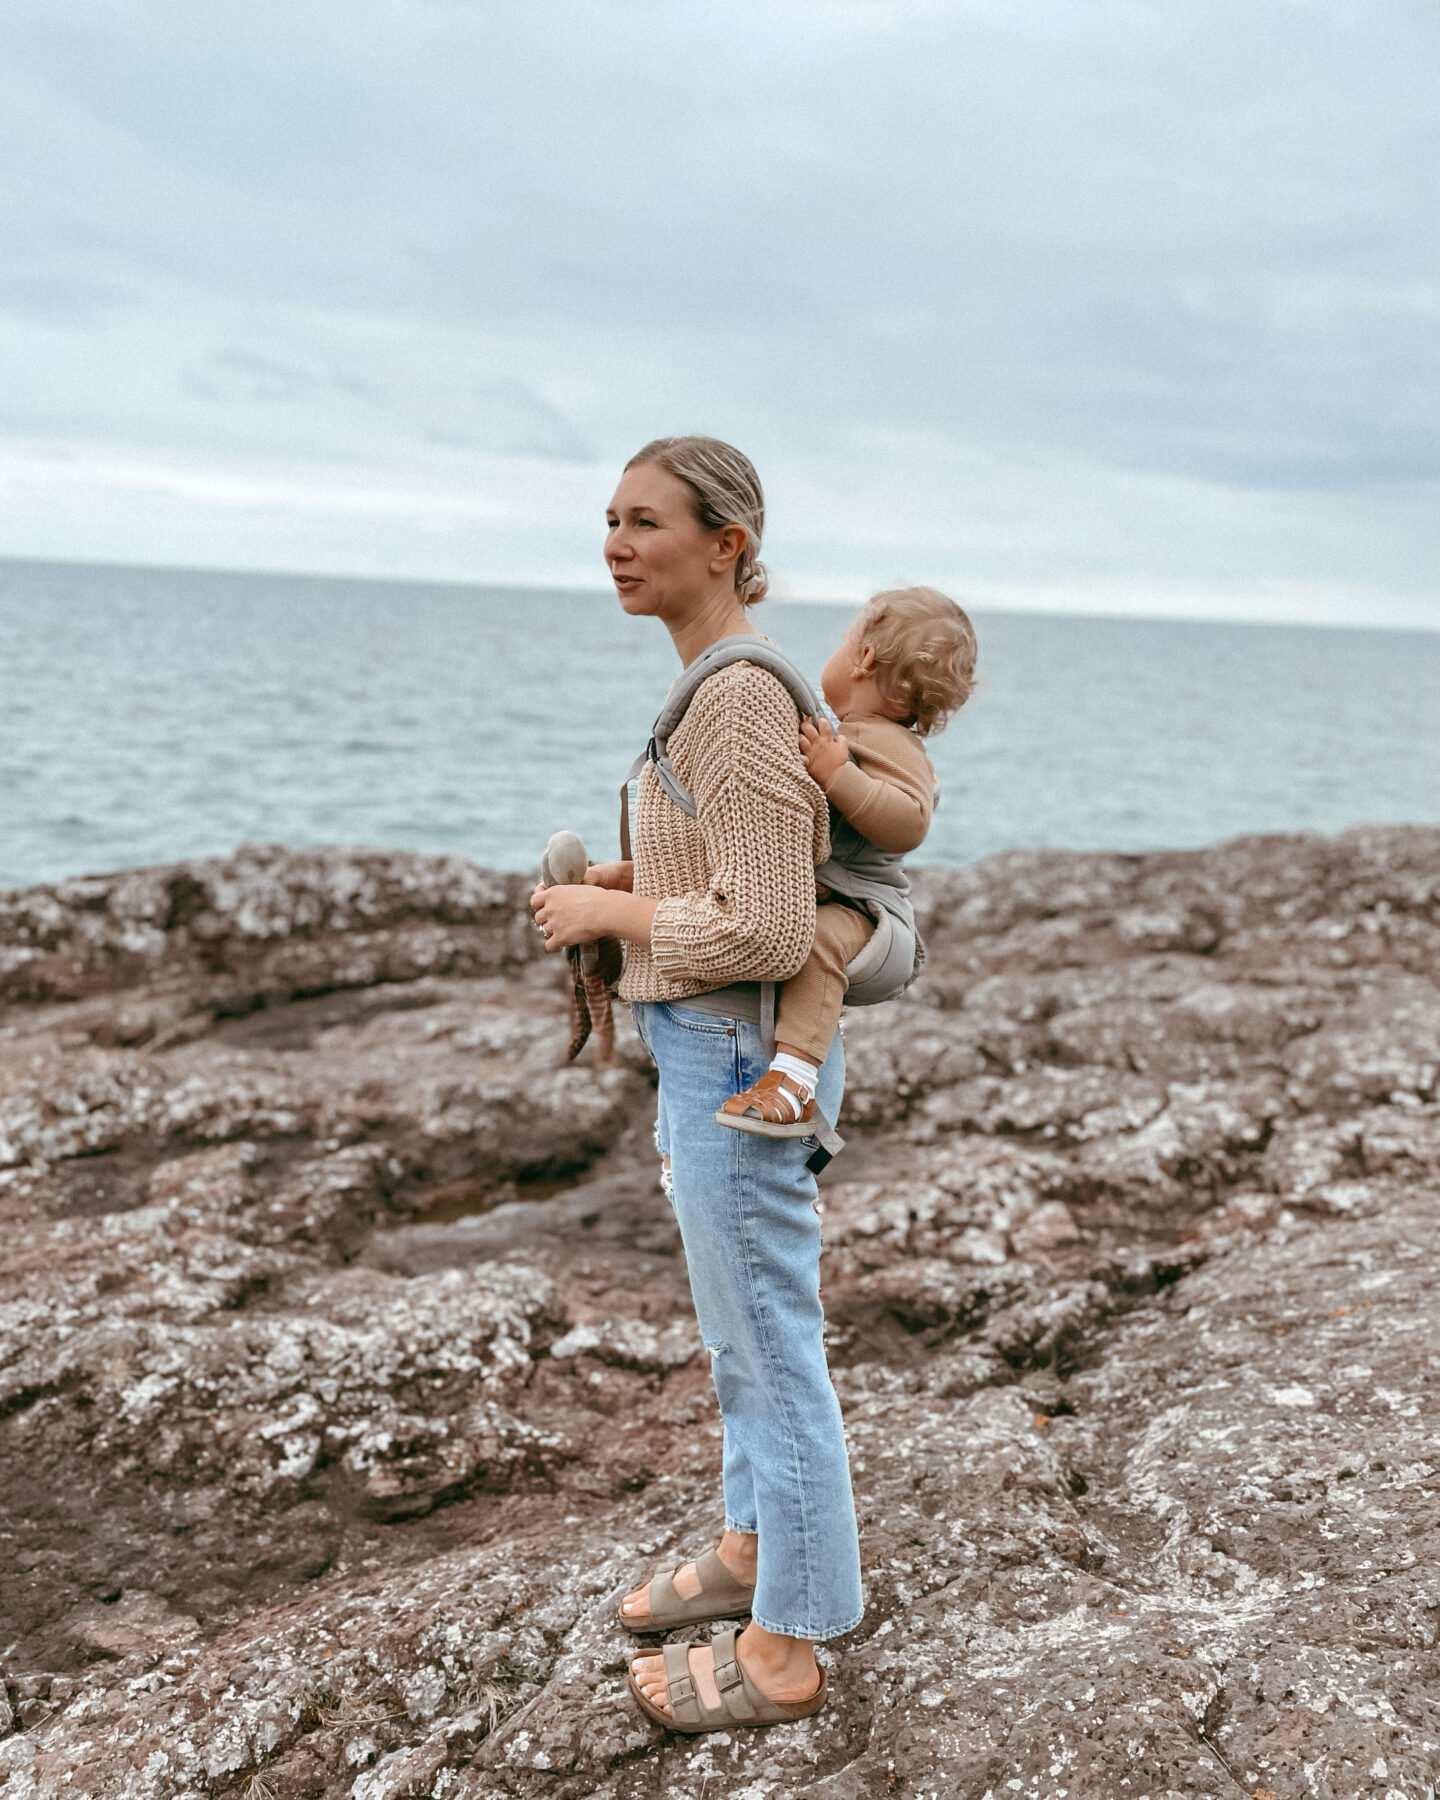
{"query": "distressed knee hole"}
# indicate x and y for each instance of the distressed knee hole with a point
(667, 1180)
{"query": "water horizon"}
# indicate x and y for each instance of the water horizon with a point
(778, 598)
(154, 714)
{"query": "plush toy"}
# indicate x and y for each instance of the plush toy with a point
(594, 968)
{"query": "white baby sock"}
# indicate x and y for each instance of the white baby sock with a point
(796, 1067)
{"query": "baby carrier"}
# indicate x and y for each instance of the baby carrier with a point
(873, 879)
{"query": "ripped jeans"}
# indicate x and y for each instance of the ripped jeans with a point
(746, 1211)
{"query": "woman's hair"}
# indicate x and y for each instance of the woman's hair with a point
(727, 492)
(925, 651)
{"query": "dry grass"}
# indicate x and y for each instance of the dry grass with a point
(488, 1698)
(354, 1706)
(349, 1708)
(324, 1706)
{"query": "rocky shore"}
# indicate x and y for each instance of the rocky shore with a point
(348, 1376)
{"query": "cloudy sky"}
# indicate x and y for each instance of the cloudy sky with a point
(1098, 304)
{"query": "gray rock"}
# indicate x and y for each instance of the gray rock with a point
(348, 1376)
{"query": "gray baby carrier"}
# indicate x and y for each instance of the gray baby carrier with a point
(873, 879)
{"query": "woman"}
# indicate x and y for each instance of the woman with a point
(710, 907)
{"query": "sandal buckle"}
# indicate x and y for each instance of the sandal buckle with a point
(727, 1675)
(682, 1688)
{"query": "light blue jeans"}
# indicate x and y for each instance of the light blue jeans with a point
(746, 1208)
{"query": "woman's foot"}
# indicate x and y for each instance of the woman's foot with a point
(783, 1668)
(737, 1550)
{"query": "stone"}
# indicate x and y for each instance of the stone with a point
(348, 1374)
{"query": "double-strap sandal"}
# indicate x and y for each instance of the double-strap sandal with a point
(777, 1106)
(741, 1702)
(722, 1596)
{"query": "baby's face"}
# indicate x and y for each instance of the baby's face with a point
(837, 678)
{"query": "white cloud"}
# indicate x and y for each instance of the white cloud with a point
(1112, 298)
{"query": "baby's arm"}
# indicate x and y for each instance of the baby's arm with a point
(890, 804)
(824, 751)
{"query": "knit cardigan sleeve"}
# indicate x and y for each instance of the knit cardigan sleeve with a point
(764, 825)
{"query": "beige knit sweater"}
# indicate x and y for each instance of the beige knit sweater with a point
(736, 884)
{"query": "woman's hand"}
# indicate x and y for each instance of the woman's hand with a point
(617, 875)
(824, 752)
(569, 913)
(579, 913)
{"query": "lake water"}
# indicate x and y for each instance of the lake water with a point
(155, 714)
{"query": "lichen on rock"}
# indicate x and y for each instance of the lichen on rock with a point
(348, 1375)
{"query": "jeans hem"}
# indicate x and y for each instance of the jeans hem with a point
(744, 1530)
(808, 1632)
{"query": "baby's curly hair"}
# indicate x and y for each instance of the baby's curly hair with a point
(925, 652)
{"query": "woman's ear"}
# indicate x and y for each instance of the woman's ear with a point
(730, 542)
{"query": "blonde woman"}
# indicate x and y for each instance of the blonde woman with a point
(710, 907)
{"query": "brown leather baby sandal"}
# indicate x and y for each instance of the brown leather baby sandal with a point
(777, 1106)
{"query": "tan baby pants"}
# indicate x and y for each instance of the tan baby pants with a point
(807, 1009)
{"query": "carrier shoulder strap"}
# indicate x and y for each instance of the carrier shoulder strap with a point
(747, 647)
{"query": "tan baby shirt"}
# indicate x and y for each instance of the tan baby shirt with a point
(887, 789)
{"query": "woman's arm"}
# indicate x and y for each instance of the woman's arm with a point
(764, 826)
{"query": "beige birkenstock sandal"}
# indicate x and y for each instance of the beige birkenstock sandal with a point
(741, 1702)
(722, 1596)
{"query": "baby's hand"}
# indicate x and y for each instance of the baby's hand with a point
(824, 753)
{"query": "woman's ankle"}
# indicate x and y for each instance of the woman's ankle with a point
(739, 1551)
(787, 1659)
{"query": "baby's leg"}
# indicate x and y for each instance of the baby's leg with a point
(782, 1102)
(808, 1006)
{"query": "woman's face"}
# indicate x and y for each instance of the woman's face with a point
(661, 558)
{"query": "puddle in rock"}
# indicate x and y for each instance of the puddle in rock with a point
(296, 1024)
(94, 1185)
(464, 1199)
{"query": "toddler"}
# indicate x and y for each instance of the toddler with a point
(906, 664)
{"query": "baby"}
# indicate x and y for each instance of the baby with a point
(907, 663)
